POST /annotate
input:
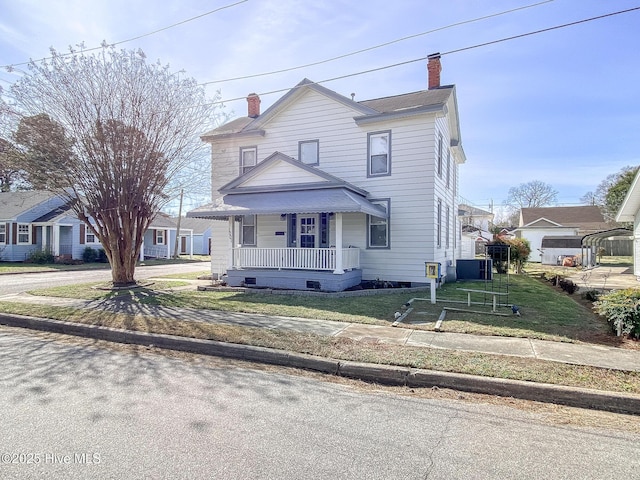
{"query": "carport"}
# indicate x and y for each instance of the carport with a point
(593, 241)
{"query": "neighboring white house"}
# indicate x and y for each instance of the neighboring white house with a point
(629, 212)
(476, 224)
(541, 223)
(321, 191)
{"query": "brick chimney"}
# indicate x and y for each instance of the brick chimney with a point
(434, 68)
(253, 107)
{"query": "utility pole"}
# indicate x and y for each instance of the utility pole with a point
(175, 248)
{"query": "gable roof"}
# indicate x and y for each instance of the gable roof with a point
(320, 192)
(13, 204)
(162, 220)
(586, 217)
(316, 178)
(198, 225)
(441, 99)
(465, 210)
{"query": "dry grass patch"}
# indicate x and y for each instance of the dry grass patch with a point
(348, 349)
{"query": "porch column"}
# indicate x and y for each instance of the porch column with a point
(45, 238)
(232, 239)
(168, 242)
(56, 239)
(141, 256)
(191, 245)
(339, 270)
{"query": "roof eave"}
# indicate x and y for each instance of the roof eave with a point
(631, 203)
(224, 136)
(399, 114)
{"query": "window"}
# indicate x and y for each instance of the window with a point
(248, 158)
(159, 237)
(439, 153)
(439, 224)
(308, 152)
(448, 168)
(248, 227)
(24, 233)
(379, 154)
(90, 237)
(378, 227)
(446, 227)
(3, 233)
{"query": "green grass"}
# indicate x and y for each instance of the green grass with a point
(547, 314)
(145, 293)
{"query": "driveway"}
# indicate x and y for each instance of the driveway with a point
(605, 277)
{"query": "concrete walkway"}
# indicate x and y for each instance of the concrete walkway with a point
(572, 353)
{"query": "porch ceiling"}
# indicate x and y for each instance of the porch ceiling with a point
(301, 201)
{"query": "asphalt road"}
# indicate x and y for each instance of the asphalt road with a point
(12, 284)
(118, 414)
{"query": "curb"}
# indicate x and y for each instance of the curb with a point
(384, 374)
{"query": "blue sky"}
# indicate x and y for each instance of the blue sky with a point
(562, 107)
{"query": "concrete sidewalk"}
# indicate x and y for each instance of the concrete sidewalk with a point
(572, 353)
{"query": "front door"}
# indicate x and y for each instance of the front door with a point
(307, 231)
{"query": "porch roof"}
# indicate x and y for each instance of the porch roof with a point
(339, 200)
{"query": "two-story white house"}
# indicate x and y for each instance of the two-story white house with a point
(322, 192)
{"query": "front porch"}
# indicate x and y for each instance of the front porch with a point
(294, 279)
(326, 269)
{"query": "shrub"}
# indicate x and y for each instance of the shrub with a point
(591, 295)
(621, 308)
(568, 286)
(89, 255)
(41, 256)
(102, 257)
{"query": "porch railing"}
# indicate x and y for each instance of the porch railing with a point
(153, 251)
(295, 258)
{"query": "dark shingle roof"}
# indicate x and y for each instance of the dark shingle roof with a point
(586, 217)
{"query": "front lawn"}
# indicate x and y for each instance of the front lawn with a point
(545, 312)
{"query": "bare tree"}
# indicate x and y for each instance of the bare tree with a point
(532, 194)
(11, 175)
(111, 131)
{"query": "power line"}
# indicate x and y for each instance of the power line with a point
(542, 30)
(320, 62)
(421, 59)
(133, 38)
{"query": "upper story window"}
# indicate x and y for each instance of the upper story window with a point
(378, 228)
(248, 230)
(3, 233)
(379, 154)
(308, 152)
(24, 233)
(248, 158)
(448, 168)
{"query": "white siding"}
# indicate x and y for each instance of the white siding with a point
(281, 173)
(413, 186)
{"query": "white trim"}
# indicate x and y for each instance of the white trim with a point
(28, 242)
